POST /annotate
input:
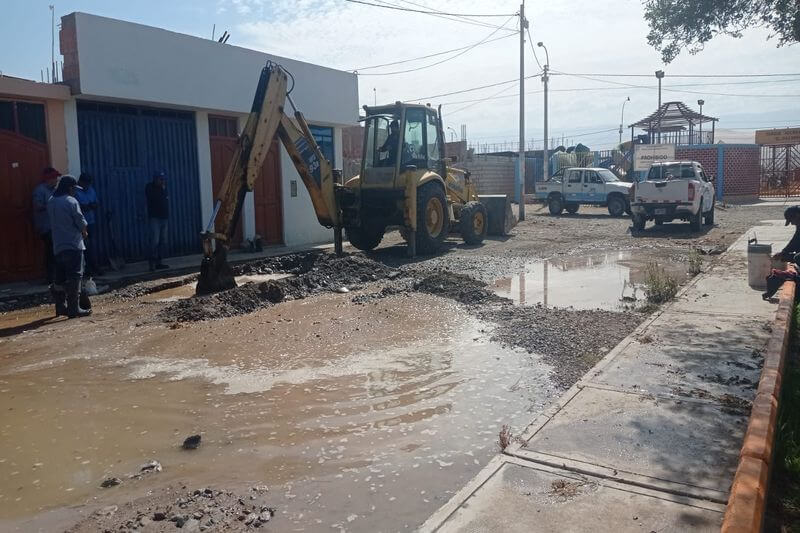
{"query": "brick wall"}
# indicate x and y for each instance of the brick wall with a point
(491, 174)
(742, 170)
(706, 156)
(740, 167)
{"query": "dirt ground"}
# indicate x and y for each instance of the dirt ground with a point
(355, 393)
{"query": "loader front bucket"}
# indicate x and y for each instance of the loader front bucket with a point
(215, 273)
(501, 218)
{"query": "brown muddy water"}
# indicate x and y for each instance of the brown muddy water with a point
(607, 280)
(358, 417)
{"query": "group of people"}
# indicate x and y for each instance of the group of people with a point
(65, 218)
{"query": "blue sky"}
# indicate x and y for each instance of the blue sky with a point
(584, 36)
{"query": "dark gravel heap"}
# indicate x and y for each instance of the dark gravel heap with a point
(315, 273)
(202, 509)
(570, 340)
(459, 287)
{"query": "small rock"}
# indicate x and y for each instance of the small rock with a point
(110, 482)
(158, 516)
(191, 525)
(150, 466)
(191, 442)
(249, 519)
(144, 521)
(107, 510)
(265, 516)
(342, 290)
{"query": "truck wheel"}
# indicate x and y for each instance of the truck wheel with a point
(572, 208)
(433, 219)
(638, 222)
(366, 237)
(709, 217)
(474, 222)
(694, 220)
(555, 204)
(616, 206)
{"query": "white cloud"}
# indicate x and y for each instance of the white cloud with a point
(582, 37)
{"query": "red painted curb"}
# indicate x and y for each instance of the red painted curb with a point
(747, 501)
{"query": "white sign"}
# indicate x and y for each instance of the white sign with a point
(645, 155)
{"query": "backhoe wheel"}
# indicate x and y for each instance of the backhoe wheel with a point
(474, 222)
(433, 219)
(555, 204)
(572, 208)
(367, 236)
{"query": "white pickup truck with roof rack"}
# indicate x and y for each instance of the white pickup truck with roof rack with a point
(673, 190)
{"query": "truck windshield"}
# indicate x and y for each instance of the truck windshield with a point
(382, 136)
(607, 176)
(673, 171)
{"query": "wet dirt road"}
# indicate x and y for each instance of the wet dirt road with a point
(359, 415)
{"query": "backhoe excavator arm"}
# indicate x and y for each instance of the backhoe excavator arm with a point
(267, 118)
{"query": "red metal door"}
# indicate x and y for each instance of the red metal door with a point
(21, 163)
(267, 196)
(222, 136)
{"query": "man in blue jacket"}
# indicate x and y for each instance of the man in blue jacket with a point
(68, 228)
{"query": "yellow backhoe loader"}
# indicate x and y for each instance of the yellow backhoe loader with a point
(405, 181)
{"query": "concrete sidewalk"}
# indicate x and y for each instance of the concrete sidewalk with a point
(649, 439)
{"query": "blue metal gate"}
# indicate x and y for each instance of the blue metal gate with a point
(122, 146)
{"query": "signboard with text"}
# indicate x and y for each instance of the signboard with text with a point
(782, 136)
(645, 155)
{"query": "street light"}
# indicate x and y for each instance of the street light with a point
(700, 103)
(659, 76)
(622, 118)
(545, 80)
(452, 133)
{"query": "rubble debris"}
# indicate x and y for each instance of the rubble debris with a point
(110, 482)
(147, 468)
(191, 442)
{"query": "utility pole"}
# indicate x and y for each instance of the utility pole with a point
(545, 80)
(53, 40)
(520, 185)
(659, 76)
(622, 118)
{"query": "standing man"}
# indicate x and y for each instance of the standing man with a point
(68, 228)
(41, 221)
(158, 213)
(87, 198)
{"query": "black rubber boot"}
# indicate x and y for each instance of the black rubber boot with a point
(60, 300)
(773, 284)
(74, 310)
(84, 302)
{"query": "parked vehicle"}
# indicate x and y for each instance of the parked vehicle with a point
(673, 190)
(572, 187)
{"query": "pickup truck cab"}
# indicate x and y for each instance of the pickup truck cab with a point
(673, 190)
(572, 187)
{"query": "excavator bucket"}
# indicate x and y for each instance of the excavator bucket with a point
(498, 208)
(215, 273)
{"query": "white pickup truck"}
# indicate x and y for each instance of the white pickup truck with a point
(571, 187)
(673, 190)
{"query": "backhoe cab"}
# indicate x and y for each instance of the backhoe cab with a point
(405, 182)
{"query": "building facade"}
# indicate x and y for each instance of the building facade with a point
(145, 99)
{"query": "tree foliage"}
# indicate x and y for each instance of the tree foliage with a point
(690, 24)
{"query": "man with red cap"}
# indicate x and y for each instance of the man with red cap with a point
(41, 221)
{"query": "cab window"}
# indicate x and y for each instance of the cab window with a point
(574, 176)
(414, 150)
(594, 178)
(432, 141)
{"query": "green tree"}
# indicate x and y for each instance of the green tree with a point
(679, 24)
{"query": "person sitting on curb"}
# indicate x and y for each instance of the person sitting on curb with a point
(777, 277)
(68, 228)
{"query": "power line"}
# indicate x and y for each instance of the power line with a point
(445, 17)
(430, 55)
(604, 75)
(476, 102)
(432, 12)
(530, 40)
(459, 18)
(682, 90)
(462, 52)
(516, 80)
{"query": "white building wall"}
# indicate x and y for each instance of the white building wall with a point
(73, 144)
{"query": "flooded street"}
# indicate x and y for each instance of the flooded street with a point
(364, 413)
(603, 280)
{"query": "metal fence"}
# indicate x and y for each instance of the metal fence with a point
(780, 171)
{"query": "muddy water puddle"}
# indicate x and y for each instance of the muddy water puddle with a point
(597, 281)
(362, 417)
